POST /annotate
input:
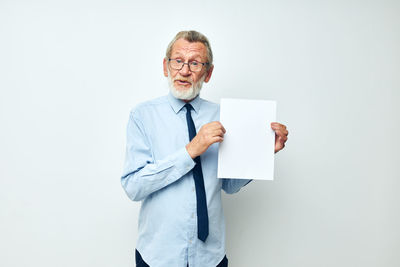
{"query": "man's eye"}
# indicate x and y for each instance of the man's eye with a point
(178, 60)
(194, 63)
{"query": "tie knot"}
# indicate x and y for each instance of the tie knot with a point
(188, 107)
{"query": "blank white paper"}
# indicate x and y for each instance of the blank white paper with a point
(247, 151)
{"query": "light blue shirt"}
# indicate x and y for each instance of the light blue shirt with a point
(157, 172)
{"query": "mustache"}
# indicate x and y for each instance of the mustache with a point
(183, 79)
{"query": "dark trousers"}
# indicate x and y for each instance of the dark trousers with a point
(140, 262)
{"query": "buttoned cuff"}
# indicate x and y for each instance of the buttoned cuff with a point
(184, 161)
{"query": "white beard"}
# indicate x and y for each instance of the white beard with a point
(185, 94)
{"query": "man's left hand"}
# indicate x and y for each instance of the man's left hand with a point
(280, 135)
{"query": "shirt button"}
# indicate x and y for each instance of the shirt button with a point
(193, 215)
(192, 189)
(190, 241)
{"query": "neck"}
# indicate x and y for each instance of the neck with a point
(187, 101)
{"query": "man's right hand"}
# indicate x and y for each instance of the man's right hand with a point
(209, 134)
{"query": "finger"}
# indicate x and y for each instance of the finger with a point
(221, 126)
(218, 126)
(282, 130)
(216, 139)
(280, 133)
(215, 125)
(223, 129)
(219, 132)
(282, 139)
(276, 125)
(212, 129)
(285, 132)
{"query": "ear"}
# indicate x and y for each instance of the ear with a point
(209, 72)
(165, 67)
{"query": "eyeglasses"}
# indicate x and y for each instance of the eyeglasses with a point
(177, 64)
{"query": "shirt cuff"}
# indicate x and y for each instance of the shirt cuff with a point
(184, 161)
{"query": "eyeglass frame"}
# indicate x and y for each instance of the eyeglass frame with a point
(187, 63)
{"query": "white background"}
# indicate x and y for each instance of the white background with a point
(70, 71)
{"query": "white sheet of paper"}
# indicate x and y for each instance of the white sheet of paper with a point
(247, 151)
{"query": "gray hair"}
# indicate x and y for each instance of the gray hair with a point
(192, 37)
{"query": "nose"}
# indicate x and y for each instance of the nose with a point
(185, 71)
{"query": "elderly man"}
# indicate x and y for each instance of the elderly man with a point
(171, 164)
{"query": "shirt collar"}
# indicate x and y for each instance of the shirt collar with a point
(177, 104)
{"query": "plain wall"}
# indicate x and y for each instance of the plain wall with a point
(70, 71)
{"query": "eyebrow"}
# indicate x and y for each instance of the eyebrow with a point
(178, 54)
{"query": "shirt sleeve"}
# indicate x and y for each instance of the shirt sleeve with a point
(232, 186)
(142, 176)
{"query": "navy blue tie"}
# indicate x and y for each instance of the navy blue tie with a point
(202, 213)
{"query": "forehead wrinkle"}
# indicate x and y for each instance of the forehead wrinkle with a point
(188, 56)
(189, 50)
